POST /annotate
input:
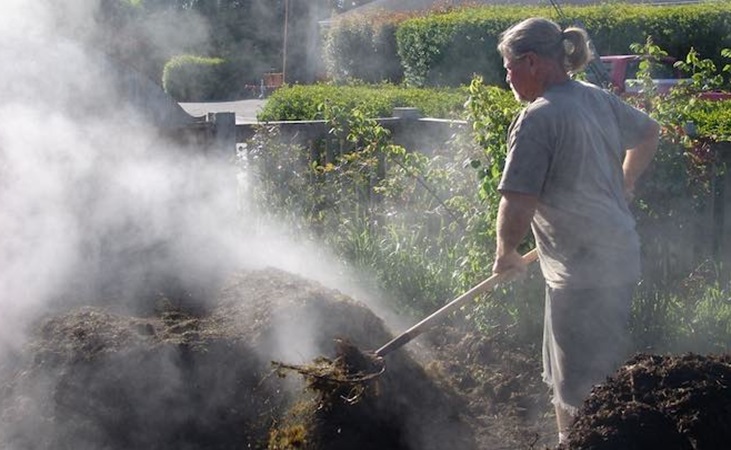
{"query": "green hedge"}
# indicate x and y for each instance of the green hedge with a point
(364, 47)
(194, 78)
(446, 49)
(704, 26)
(299, 102)
(363, 50)
(712, 119)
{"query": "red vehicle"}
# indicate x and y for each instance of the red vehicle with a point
(622, 70)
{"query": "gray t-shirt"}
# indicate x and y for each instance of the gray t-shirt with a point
(567, 148)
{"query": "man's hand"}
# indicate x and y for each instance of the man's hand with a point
(511, 264)
(515, 213)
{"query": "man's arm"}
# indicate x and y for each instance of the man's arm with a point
(515, 213)
(638, 158)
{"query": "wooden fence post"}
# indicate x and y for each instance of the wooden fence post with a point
(722, 207)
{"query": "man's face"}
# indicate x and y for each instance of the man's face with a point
(521, 76)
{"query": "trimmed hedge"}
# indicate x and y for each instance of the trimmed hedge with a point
(303, 102)
(447, 49)
(190, 78)
(365, 50)
(298, 102)
(712, 119)
(364, 47)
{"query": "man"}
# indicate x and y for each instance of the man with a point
(574, 155)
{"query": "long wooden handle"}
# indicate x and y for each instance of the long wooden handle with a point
(485, 285)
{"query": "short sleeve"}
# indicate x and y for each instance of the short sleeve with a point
(528, 158)
(631, 122)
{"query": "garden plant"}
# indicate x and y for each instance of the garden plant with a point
(423, 226)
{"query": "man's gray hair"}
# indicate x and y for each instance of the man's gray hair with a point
(545, 38)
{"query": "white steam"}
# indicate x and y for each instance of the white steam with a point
(95, 206)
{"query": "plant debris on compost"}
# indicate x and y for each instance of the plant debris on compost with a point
(351, 371)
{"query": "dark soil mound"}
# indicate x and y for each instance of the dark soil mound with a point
(659, 402)
(188, 377)
(181, 380)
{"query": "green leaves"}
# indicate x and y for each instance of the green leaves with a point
(363, 49)
(423, 225)
(490, 112)
(192, 77)
(448, 49)
(301, 102)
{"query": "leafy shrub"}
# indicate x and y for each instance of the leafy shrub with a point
(193, 78)
(447, 49)
(418, 224)
(712, 119)
(363, 49)
(304, 102)
(358, 196)
(424, 226)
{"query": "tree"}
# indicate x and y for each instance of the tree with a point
(247, 34)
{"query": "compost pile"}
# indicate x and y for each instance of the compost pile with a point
(213, 375)
(203, 377)
(665, 402)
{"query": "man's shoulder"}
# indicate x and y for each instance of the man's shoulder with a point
(569, 98)
(576, 89)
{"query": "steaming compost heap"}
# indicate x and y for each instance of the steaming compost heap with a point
(94, 378)
(203, 377)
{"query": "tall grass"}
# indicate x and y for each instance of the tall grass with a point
(691, 315)
(420, 225)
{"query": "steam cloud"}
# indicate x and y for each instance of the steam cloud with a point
(85, 187)
(96, 208)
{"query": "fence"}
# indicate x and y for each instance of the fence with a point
(219, 133)
(709, 235)
(407, 128)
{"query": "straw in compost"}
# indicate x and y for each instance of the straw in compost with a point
(349, 374)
